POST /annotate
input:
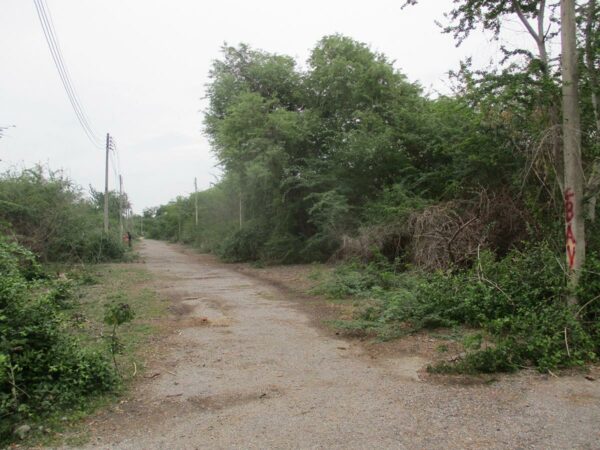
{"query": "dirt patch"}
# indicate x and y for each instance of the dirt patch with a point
(224, 401)
(179, 309)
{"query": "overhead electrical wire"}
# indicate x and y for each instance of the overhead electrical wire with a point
(115, 150)
(50, 35)
(114, 169)
(112, 147)
(115, 160)
(55, 50)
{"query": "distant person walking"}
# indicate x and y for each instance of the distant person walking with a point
(129, 238)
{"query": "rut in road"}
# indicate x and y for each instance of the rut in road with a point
(244, 368)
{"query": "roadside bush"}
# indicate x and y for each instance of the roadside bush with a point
(42, 366)
(519, 301)
(100, 247)
(16, 260)
(355, 278)
(243, 245)
(281, 249)
(319, 247)
(589, 298)
(45, 212)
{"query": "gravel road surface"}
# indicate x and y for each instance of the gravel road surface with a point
(243, 367)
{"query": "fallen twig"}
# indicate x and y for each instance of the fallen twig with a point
(587, 303)
(154, 375)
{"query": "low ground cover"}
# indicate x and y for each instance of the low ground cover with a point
(507, 313)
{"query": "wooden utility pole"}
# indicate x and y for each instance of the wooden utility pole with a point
(121, 204)
(196, 198)
(573, 186)
(106, 185)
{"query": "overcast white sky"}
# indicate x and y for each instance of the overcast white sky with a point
(140, 67)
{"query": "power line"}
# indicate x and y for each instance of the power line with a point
(50, 35)
(54, 36)
(114, 168)
(4, 128)
(55, 51)
(115, 150)
(115, 159)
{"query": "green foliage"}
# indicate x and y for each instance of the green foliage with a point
(518, 300)
(16, 260)
(394, 204)
(302, 152)
(313, 156)
(243, 245)
(42, 367)
(350, 159)
(100, 247)
(281, 249)
(588, 295)
(46, 213)
(117, 314)
(357, 279)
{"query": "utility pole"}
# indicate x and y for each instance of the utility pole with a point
(106, 185)
(573, 193)
(121, 204)
(196, 198)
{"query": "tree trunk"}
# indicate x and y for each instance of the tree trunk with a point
(593, 186)
(573, 191)
(590, 58)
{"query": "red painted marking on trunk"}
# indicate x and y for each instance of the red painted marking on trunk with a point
(571, 242)
(571, 255)
(570, 235)
(569, 206)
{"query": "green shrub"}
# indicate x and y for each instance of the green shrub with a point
(50, 216)
(16, 260)
(281, 249)
(100, 247)
(319, 248)
(518, 300)
(42, 366)
(589, 298)
(243, 245)
(356, 279)
(117, 314)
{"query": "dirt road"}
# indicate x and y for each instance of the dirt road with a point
(244, 368)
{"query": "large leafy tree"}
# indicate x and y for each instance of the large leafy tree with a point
(563, 156)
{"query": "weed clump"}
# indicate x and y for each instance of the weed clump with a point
(518, 302)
